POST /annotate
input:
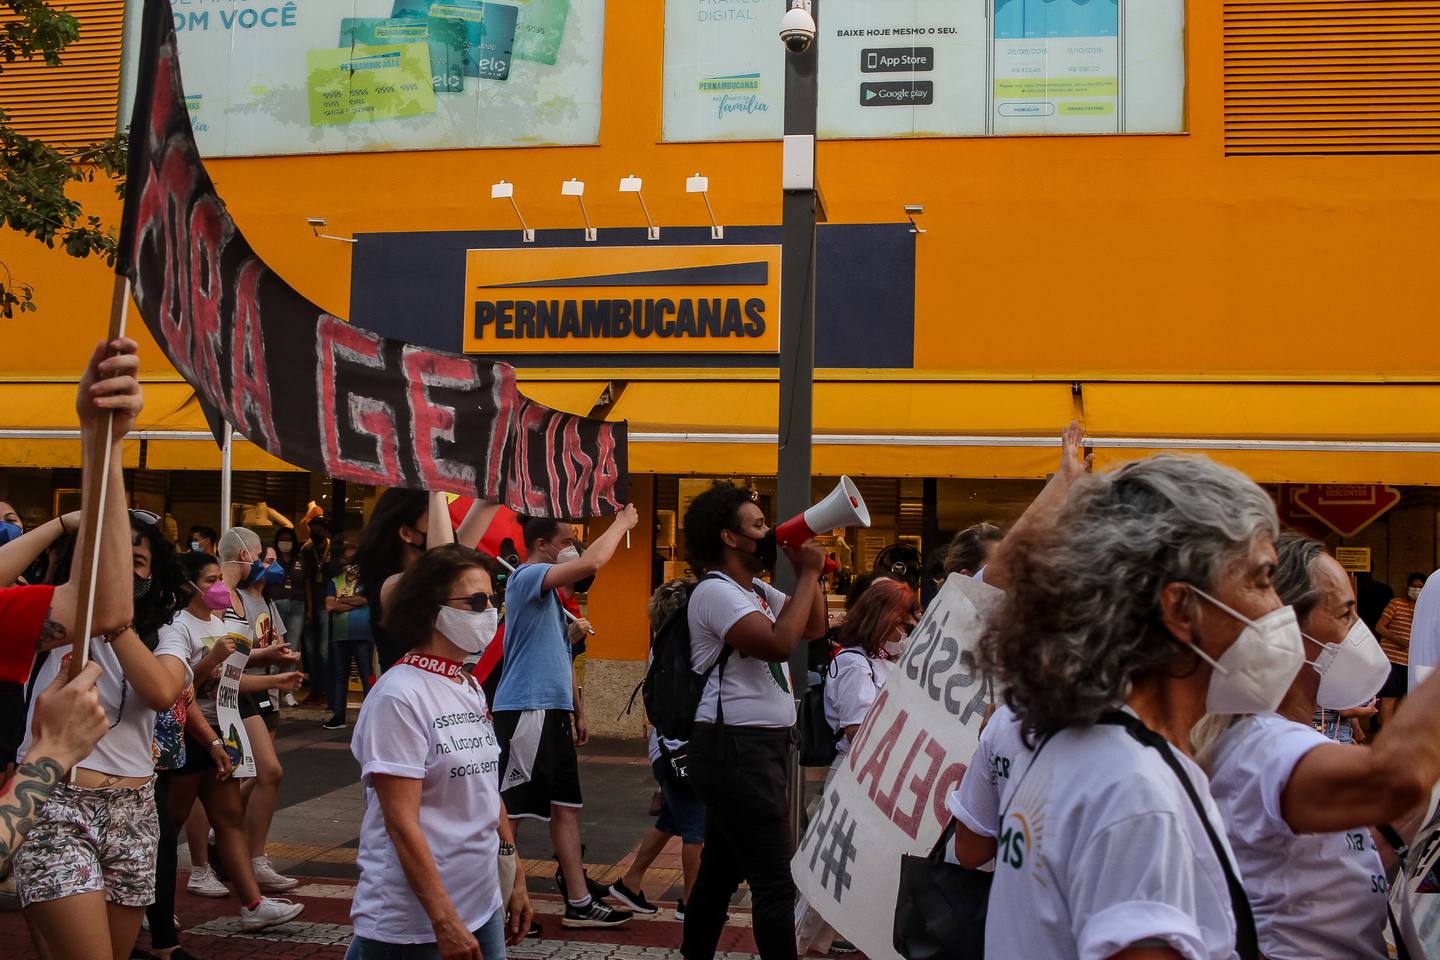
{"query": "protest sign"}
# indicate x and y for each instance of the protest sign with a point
(1415, 894)
(889, 796)
(227, 709)
(309, 388)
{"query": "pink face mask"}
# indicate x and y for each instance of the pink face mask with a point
(217, 597)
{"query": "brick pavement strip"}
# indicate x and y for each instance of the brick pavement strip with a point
(211, 929)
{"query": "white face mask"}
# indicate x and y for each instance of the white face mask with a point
(568, 554)
(1351, 671)
(470, 631)
(1255, 671)
(1415, 593)
(893, 648)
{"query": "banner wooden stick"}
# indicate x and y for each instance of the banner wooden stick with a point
(97, 454)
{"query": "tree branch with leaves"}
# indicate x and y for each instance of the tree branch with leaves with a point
(35, 175)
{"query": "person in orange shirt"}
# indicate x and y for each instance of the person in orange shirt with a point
(1393, 628)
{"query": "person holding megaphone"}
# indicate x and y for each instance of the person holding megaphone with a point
(742, 749)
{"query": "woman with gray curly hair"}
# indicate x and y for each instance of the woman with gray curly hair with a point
(1148, 604)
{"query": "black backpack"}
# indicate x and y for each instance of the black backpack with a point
(671, 690)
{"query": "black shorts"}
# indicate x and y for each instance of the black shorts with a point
(197, 758)
(555, 775)
(12, 722)
(1398, 685)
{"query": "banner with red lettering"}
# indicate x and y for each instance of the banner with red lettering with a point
(889, 796)
(306, 386)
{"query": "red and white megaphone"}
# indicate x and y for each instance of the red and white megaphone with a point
(844, 507)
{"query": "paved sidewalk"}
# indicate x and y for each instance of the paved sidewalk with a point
(315, 836)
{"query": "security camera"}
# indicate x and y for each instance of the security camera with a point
(797, 27)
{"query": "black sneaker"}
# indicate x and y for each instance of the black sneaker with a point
(595, 915)
(334, 723)
(536, 931)
(679, 909)
(634, 900)
(597, 891)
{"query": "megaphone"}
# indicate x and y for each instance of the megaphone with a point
(844, 507)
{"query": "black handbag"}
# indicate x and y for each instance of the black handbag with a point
(940, 910)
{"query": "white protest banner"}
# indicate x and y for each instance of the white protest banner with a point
(889, 796)
(227, 709)
(1415, 895)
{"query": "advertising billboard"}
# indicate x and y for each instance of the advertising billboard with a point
(930, 68)
(336, 76)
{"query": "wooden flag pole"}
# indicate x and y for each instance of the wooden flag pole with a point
(97, 455)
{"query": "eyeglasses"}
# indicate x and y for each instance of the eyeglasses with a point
(145, 516)
(479, 602)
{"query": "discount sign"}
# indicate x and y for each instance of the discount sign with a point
(888, 797)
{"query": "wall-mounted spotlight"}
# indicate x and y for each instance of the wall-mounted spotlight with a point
(576, 188)
(507, 191)
(632, 185)
(701, 185)
(317, 222)
(913, 210)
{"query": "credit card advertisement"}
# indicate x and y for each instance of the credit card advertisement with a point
(930, 68)
(337, 76)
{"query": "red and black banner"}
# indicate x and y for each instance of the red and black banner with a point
(306, 386)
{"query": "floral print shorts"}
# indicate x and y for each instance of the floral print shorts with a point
(88, 840)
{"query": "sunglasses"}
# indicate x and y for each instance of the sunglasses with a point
(145, 516)
(479, 602)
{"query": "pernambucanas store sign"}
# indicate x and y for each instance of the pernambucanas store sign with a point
(682, 299)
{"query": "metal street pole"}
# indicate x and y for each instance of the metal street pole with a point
(797, 331)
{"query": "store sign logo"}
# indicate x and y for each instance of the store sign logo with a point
(709, 299)
(735, 84)
(897, 60)
(897, 93)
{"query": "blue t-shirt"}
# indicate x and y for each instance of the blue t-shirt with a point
(537, 652)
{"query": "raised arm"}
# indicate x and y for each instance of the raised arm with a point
(19, 553)
(109, 385)
(599, 553)
(477, 521)
(440, 531)
(1045, 508)
(755, 636)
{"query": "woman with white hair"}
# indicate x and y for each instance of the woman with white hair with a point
(1297, 805)
(1147, 604)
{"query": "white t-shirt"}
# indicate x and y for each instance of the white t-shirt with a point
(998, 757)
(128, 749)
(1314, 894)
(1099, 848)
(1425, 632)
(198, 637)
(851, 687)
(422, 726)
(756, 694)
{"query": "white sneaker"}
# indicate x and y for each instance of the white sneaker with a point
(289, 699)
(269, 880)
(268, 913)
(204, 883)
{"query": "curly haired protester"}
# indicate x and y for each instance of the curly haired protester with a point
(1298, 806)
(430, 762)
(743, 745)
(1147, 604)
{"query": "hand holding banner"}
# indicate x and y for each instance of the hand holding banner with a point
(889, 795)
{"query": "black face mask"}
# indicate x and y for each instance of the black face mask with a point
(142, 585)
(766, 548)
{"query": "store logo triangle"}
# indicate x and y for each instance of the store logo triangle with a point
(869, 94)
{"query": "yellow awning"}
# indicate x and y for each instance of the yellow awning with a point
(571, 396)
(39, 428)
(1317, 433)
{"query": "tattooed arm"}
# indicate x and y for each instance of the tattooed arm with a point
(69, 721)
(53, 632)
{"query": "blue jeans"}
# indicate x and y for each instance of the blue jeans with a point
(342, 653)
(490, 936)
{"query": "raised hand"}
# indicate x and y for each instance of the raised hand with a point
(111, 384)
(1073, 460)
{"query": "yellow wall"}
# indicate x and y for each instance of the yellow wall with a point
(1075, 257)
(617, 600)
